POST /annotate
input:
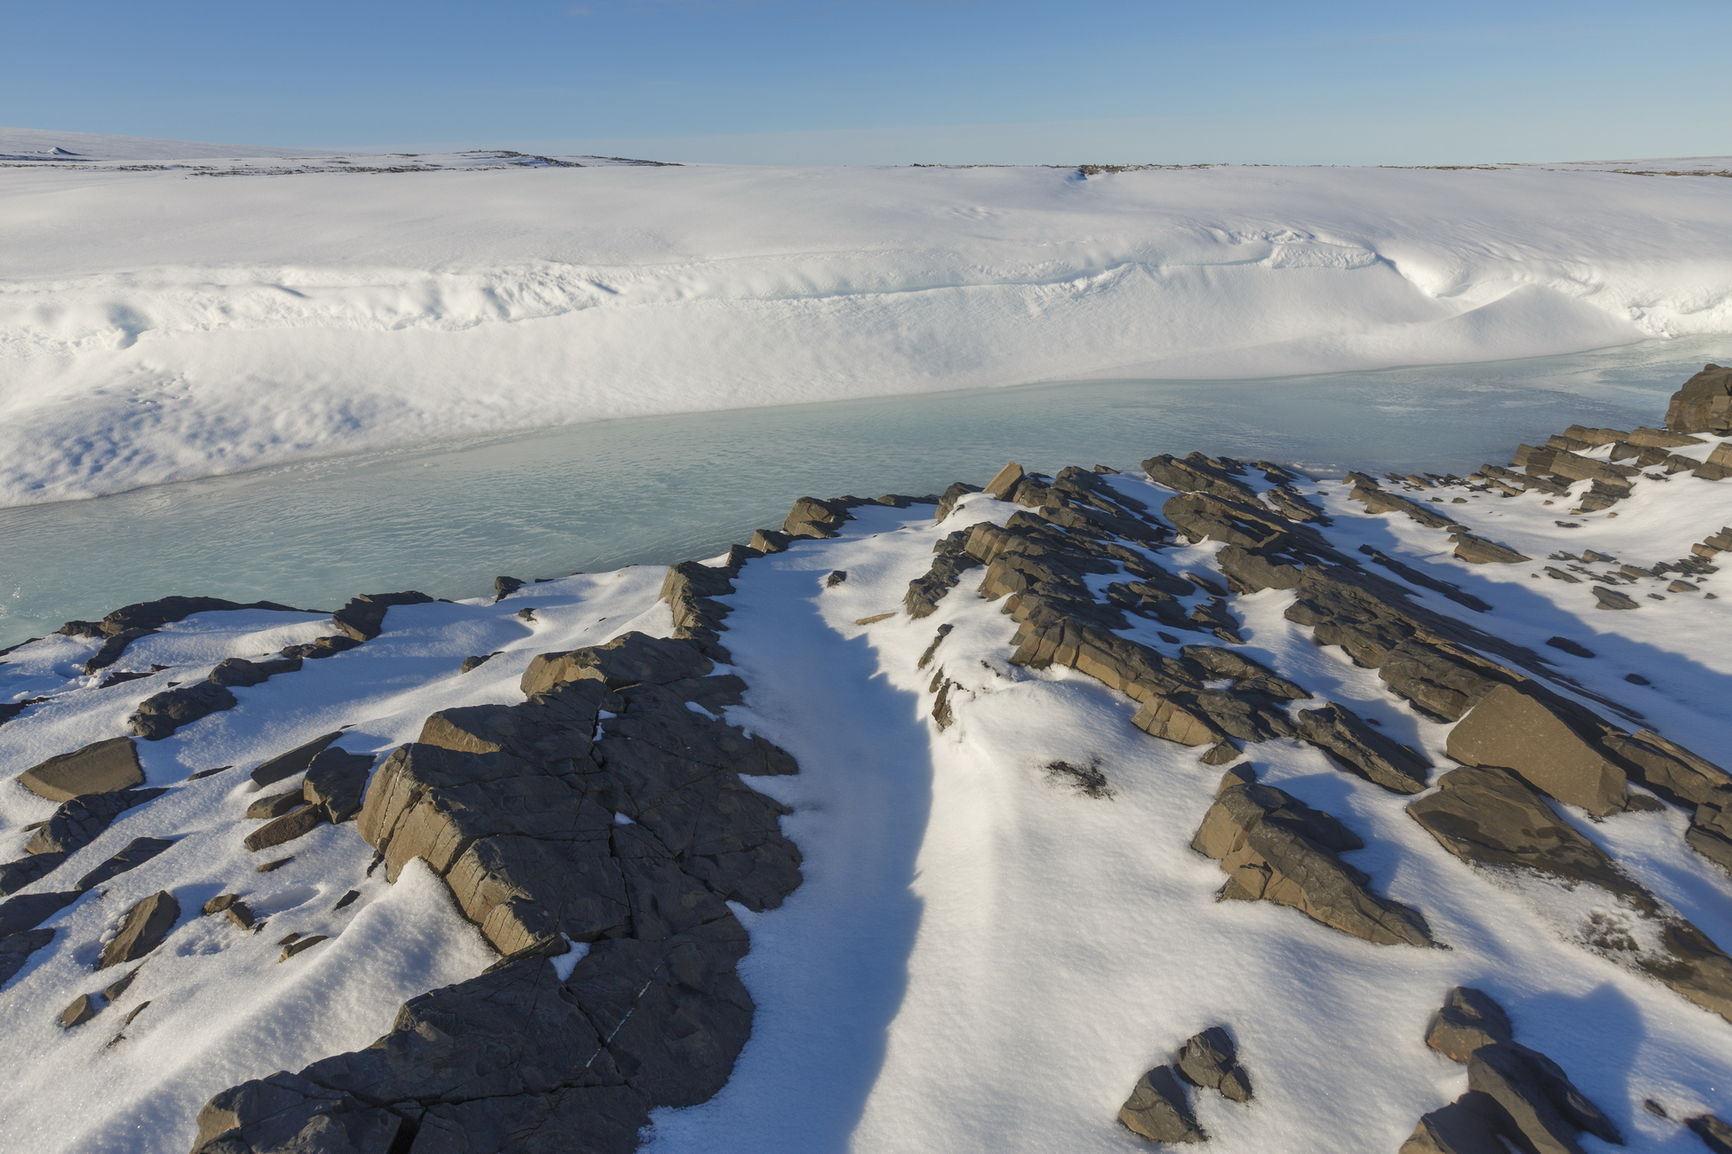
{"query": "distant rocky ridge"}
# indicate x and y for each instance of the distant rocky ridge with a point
(597, 831)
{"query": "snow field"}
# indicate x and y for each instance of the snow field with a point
(156, 327)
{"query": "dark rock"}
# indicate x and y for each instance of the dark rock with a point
(1703, 404)
(1004, 482)
(102, 767)
(111, 650)
(1472, 1124)
(275, 805)
(301, 944)
(335, 782)
(1275, 848)
(83, 1008)
(476, 662)
(1612, 599)
(1380, 500)
(1544, 739)
(1356, 747)
(1160, 1110)
(28, 911)
(812, 517)
(504, 587)
(1574, 648)
(1545, 1110)
(150, 615)
(630, 659)
(161, 714)
(296, 823)
(15, 875)
(1467, 1020)
(1715, 1134)
(15, 950)
(835, 578)
(1492, 819)
(239, 671)
(134, 854)
(1479, 551)
(237, 911)
(323, 647)
(145, 927)
(77, 823)
(296, 760)
(363, 618)
(1211, 1060)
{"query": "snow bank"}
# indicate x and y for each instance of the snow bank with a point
(157, 326)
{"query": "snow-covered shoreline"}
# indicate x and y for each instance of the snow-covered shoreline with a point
(156, 327)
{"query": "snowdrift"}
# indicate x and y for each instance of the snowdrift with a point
(161, 325)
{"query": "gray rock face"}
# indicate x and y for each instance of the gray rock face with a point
(1211, 1060)
(102, 767)
(1704, 404)
(1540, 737)
(1362, 750)
(1544, 1110)
(145, 927)
(285, 765)
(1275, 848)
(1490, 818)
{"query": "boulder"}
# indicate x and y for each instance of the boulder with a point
(1543, 1108)
(15, 875)
(240, 671)
(102, 767)
(1211, 1060)
(628, 659)
(1472, 1124)
(83, 1008)
(161, 714)
(1612, 599)
(1275, 848)
(145, 927)
(336, 781)
(1478, 550)
(1004, 482)
(1160, 1110)
(1703, 404)
(1547, 741)
(1715, 1133)
(1467, 1020)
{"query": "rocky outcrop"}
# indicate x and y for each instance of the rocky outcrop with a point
(551, 825)
(1273, 847)
(1514, 1093)
(1549, 743)
(1704, 404)
(1210, 1060)
(1362, 750)
(1492, 820)
(161, 714)
(363, 617)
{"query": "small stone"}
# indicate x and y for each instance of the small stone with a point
(275, 805)
(278, 864)
(290, 826)
(835, 578)
(346, 900)
(473, 663)
(1612, 599)
(1210, 1060)
(120, 985)
(1680, 587)
(83, 1008)
(300, 944)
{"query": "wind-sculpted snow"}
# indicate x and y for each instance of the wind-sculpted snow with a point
(157, 326)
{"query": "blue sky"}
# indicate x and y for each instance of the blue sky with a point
(891, 81)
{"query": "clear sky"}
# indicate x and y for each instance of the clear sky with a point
(892, 81)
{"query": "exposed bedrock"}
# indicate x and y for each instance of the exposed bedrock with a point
(558, 831)
(1704, 404)
(1514, 1093)
(1494, 821)
(1273, 847)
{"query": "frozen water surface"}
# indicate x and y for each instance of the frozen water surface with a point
(658, 489)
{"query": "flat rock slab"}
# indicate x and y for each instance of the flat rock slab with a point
(145, 927)
(1514, 729)
(102, 767)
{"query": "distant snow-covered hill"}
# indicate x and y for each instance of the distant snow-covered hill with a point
(161, 324)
